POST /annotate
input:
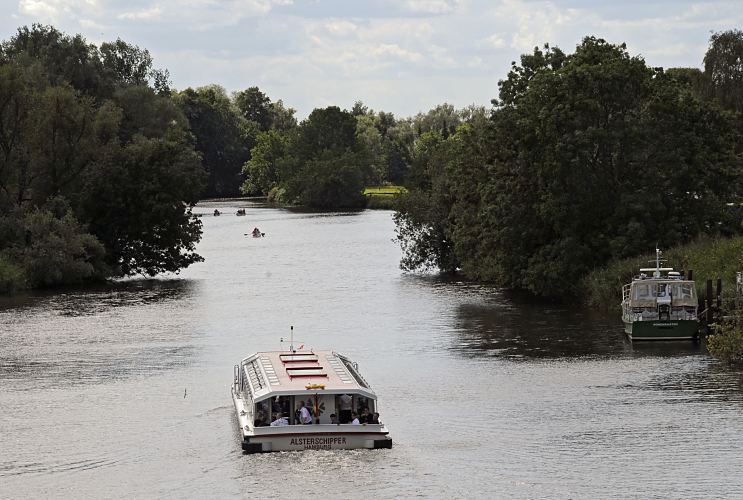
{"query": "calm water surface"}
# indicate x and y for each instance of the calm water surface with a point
(124, 391)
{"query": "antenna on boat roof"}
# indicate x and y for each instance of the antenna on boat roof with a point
(291, 341)
(658, 260)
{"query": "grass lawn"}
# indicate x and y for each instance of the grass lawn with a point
(384, 190)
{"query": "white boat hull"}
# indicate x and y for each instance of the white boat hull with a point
(308, 437)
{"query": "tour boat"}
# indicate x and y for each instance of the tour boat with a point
(268, 386)
(660, 306)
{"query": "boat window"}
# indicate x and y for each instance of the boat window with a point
(262, 413)
(674, 289)
(687, 290)
(280, 407)
(644, 291)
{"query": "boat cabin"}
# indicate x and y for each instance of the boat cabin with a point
(275, 385)
(660, 296)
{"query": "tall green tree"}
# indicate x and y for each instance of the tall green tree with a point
(255, 106)
(723, 66)
(587, 157)
(139, 205)
(262, 171)
(94, 159)
(328, 166)
(222, 136)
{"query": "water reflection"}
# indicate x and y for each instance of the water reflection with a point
(97, 334)
(73, 301)
(491, 322)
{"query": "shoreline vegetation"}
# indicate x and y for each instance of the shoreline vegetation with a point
(708, 258)
(584, 160)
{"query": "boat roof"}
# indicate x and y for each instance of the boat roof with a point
(275, 373)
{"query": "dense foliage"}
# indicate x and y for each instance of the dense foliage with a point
(587, 157)
(726, 341)
(97, 167)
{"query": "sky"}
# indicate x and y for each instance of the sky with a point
(399, 56)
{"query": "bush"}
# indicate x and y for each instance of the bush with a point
(47, 247)
(12, 277)
(726, 342)
(58, 251)
(380, 202)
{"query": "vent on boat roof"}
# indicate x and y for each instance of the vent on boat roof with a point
(298, 358)
(255, 375)
(273, 379)
(306, 371)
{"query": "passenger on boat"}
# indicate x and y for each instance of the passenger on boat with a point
(344, 405)
(217, 212)
(364, 419)
(280, 421)
(256, 232)
(374, 419)
(260, 419)
(304, 414)
(333, 419)
(355, 420)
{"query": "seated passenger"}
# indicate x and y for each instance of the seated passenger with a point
(364, 418)
(280, 420)
(374, 418)
(355, 420)
(333, 419)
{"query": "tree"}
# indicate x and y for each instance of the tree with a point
(587, 157)
(328, 165)
(128, 63)
(67, 134)
(51, 247)
(255, 106)
(223, 137)
(92, 160)
(282, 118)
(15, 106)
(723, 66)
(139, 205)
(64, 59)
(262, 170)
(422, 217)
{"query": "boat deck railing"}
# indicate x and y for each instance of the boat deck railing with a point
(354, 369)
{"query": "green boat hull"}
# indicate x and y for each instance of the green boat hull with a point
(662, 330)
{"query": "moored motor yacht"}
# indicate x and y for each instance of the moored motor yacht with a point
(270, 390)
(659, 304)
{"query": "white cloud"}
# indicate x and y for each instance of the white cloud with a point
(495, 41)
(341, 27)
(146, 14)
(396, 51)
(92, 25)
(430, 6)
(53, 10)
(397, 56)
(40, 9)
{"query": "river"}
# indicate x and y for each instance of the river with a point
(123, 391)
